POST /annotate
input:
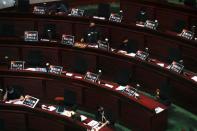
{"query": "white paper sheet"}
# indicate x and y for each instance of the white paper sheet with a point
(120, 88)
(108, 85)
(158, 110)
(194, 78)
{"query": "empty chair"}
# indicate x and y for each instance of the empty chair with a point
(174, 55)
(70, 99)
(179, 26)
(122, 77)
(49, 31)
(165, 93)
(80, 65)
(35, 58)
(104, 10)
(129, 45)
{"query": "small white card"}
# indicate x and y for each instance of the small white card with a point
(120, 88)
(108, 85)
(160, 64)
(69, 74)
(194, 78)
(158, 110)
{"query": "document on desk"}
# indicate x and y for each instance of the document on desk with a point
(131, 54)
(194, 78)
(83, 118)
(120, 88)
(93, 123)
(67, 113)
(160, 64)
(108, 85)
(69, 74)
(158, 110)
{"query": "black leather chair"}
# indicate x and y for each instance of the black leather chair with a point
(179, 26)
(35, 58)
(80, 65)
(122, 77)
(174, 55)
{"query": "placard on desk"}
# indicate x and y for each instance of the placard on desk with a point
(187, 34)
(68, 39)
(17, 65)
(31, 36)
(141, 55)
(176, 67)
(39, 10)
(151, 24)
(55, 69)
(91, 77)
(77, 12)
(30, 101)
(104, 45)
(115, 18)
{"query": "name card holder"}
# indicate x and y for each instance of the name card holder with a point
(115, 18)
(55, 69)
(17, 65)
(39, 10)
(176, 67)
(104, 45)
(30, 101)
(91, 77)
(77, 12)
(141, 55)
(68, 39)
(151, 24)
(31, 36)
(187, 34)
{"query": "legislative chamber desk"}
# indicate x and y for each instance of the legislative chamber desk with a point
(159, 42)
(22, 118)
(149, 74)
(168, 14)
(138, 114)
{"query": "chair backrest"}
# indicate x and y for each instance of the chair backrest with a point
(174, 55)
(80, 65)
(104, 10)
(70, 98)
(122, 77)
(179, 26)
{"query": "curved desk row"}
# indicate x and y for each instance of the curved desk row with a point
(135, 113)
(167, 14)
(147, 73)
(158, 43)
(22, 118)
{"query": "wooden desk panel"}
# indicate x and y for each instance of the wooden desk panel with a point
(37, 123)
(13, 120)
